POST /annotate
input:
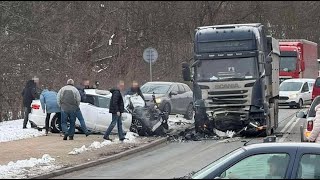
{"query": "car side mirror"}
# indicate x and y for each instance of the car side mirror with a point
(301, 114)
(268, 66)
(173, 93)
(186, 72)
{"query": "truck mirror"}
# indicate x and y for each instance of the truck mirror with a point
(268, 66)
(186, 72)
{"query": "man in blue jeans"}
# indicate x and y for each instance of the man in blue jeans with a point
(84, 85)
(116, 108)
(68, 98)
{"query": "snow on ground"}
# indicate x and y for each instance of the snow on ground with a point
(178, 123)
(130, 138)
(12, 130)
(29, 167)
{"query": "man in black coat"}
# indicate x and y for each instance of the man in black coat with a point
(116, 108)
(135, 89)
(29, 93)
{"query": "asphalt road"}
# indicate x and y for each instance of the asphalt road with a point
(175, 159)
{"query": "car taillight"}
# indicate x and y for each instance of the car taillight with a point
(35, 106)
(310, 125)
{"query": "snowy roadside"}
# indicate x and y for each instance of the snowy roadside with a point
(130, 138)
(12, 130)
(26, 168)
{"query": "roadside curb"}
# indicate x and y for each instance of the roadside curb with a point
(100, 161)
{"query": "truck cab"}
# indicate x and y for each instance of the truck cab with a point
(235, 78)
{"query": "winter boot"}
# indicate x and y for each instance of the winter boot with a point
(65, 137)
(70, 137)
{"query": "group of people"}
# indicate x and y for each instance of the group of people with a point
(66, 104)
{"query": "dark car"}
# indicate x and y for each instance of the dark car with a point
(266, 161)
(172, 97)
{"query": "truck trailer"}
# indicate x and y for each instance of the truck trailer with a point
(235, 77)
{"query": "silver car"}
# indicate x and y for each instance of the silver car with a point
(172, 97)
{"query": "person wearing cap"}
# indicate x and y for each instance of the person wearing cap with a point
(68, 99)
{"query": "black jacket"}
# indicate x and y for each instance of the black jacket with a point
(133, 91)
(29, 93)
(116, 102)
(82, 94)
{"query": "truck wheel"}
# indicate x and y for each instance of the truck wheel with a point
(189, 113)
(300, 104)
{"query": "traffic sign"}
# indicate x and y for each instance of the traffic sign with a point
(150, 55)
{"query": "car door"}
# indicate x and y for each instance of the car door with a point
(306, 94)
(182, 101)
(188, 94)
(174, 99)
(306, 164)
(258, 166)
(89, 112)
(104, 117)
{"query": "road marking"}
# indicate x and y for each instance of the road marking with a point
(288, 124)
(289, 130)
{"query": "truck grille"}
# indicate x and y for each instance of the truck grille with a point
(283, 98)
(233, 97)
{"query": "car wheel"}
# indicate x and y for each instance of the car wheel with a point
(55, 124)
(300, 104)
(189, 113)
(138, 126)
(167, 108)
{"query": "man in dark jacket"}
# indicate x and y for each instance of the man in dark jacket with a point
(84, 85)
(135, 89)
(116, 108)
(29, 93)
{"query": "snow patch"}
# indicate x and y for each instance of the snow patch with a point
(130, 138)
(25, 168)
(12, 130)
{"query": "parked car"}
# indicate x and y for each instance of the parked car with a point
(172, 97)
(95, 112)
(295, 92)
(316, 88)
(308, 116)
(266, 161)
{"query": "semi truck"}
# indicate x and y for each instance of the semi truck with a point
(298, 59)
(235, 77)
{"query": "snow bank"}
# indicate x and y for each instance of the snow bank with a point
(130, 138)
(12, 130)
(25, 168)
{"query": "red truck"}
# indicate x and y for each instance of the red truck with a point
(298, 59)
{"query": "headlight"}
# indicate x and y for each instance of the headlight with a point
(293, 96)
(158, 100)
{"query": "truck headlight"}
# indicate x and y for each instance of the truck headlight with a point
(158, 100)
(292, 96)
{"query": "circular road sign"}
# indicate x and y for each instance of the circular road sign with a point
(150, 55)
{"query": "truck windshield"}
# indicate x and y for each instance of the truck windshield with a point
(290, 86)
(227, 69)
(288, 64)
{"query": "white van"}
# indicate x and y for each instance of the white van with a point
(296, 92)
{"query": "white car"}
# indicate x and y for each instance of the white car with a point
(296, 92)
(95, 113)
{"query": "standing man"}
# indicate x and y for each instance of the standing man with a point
(68, 99)
(116, 108)
(29, 93)
(48, 99)
(84, 85)
(135, 89)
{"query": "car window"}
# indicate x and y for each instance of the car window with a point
(90, 100)
(310, 85)
(103, 102)
(305, 87)
(309, 167)
(290, 86)
(317, 83)
(175, 88)
(181, 89)
(260, 166)
(187, 88)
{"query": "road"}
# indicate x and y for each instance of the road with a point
(175, 159)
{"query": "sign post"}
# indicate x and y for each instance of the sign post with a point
(150, 55)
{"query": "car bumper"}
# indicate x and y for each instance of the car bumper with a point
(38, 120)
(288, 102)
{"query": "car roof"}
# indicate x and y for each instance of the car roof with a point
(299, 80)
(283, 145)
(98, 92)
(163, 82)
